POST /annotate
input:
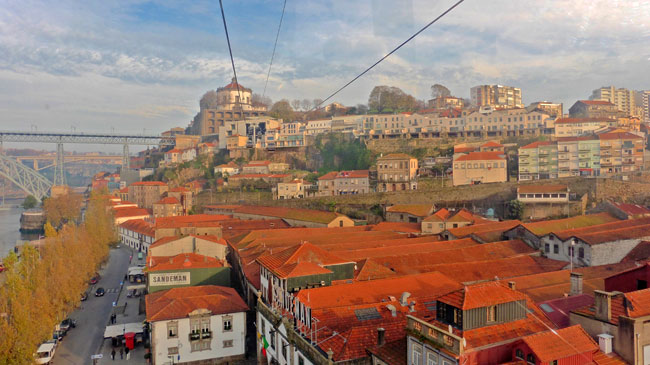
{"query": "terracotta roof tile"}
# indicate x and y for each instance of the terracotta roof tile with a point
(168, 200)
(557, 310)
(393, 353)
(633, 210)
(481, 156)
(368, 269)
(190, 220)
(419, 210)
(639, 253)
(595, 102)
(560, 344)
(566, 234)
(140, 226)
(482, 295)
(619, 135)
(165, 240)
(491, 144)
(596, 238)
(537, 144)
(638, 303)
(582, 120)
(308, 215)
(440, 216)
(129, 212)
(542, 228)
(149, 183)
(463, 232)
(550, 188)
(178, 303)
(181, 261)
(300, 260)
(600, 358)
(402, 227)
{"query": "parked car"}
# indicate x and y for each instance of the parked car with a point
(2, 267)
(45, 352)
(100, 292)
(67, 324)
(58, 334)
(84, 296)
(129, 293)
(137, 293)
(94, 280)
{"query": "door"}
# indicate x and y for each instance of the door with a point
(646, 355)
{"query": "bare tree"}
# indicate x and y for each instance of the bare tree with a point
(306, 104)
(295, 104)
(318, 102)
(209, 100)
(438, 91)
(259, 100)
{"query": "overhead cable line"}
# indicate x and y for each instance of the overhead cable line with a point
(390, 53)
(232, 60)
(277, 35)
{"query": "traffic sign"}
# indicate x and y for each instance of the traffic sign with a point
(97, 356)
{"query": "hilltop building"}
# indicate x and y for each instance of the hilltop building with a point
(396, 172)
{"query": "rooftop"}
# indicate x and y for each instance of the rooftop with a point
(300, 260)
(560, 344)
(149, 183)
(178, 303)
(555, 188)
(482, 295)
(545, 227)
(168, 200)
(140, 226)
(419, 210)
(396, 156)
(308, 215)
(130, 212)
(633, 210)
(482, 156)
(182, 262)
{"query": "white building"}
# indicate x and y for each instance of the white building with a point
(197, 324)
(188, 154)
(137, 234)
(320, 126)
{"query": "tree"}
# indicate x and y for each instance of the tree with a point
(362, 109)
(295, 104)
(438, 91)
(305, 104)
(388, 99)
(282, 110)
(30, 202)
(49, 230)
(209, 100)
(317, 103)
(514, 209)
(63, 208)
(258, 100)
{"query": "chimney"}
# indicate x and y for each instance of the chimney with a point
(603, 304)
(392, 309)
(512, 285)
(576, 283)
(381, 336)
(412, 307)
(404, 299)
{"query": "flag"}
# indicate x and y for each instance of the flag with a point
(264, 343)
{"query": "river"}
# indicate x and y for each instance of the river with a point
(10, 230)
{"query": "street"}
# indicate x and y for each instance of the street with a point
(93, 315)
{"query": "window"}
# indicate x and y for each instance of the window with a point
(227, 343)
(530, 358)
(272, 335)
(227, 323)
(581, 252)
(200, 345)
(432, 359)
(417, 326)
(491, 313)
(172, 329)
(556, 248)
(284, 349)
(417, 356)
(519, 354)
(301, 361)
(172, 350)
(547, 248)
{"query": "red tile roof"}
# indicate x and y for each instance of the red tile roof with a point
(440, 216)
(633, 210)
(181, 262)
(481, 156)
(165, 240)
(542, 228)
(464, 149)
(179, 189)
(129, 212)
(638, 303)
(462, 232)
(368, 269)
(300, 260)
(619, 135)
(560, 344)
(582, 120)
(149, 183)
(419, 210)
(178, 303)
(329, 176)
(551, 188)
(595, 102)
(566, 234)
(596, 238)
(392, 352)
(482, 295)
(600, 358)
(491, 144)
(140, 226)
(397, 227)
(360, 292)
(557, 310)
(537, 144)
(308, 215)
(168, 200)
(190, 220)
(639, 253)
(257, 163)
(259, 176)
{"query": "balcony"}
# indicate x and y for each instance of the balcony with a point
(206, 334)
(194, 336)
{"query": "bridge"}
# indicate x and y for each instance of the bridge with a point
(52, 158)
(36, 184)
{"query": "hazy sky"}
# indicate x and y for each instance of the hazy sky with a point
(141, 66)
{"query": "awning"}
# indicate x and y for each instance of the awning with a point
(139, 286)
(120, 329)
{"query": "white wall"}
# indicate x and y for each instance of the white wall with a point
(161, 342)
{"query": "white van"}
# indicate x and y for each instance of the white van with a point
(45, 352)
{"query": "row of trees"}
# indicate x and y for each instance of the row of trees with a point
(43, 285)
(340, 153)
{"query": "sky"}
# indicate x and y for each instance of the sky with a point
(131, 66)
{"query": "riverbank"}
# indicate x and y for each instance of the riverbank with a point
(10, 229)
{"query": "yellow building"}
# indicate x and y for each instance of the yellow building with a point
(236, 141)
(397, 172)
(294, 189)
(479, 168)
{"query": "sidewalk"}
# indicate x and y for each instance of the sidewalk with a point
(127, 311)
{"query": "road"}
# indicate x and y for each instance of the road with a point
(92, 317)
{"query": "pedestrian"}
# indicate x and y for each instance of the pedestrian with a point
(113, 354)
(128, 354)
(121, 353)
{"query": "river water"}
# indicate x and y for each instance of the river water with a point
(10, 230)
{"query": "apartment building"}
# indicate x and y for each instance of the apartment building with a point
(553, 109)
(496, 95)
(396, 172)
(479, 168)
(167, 207)
(294, 189)
(198, 324)
(594, 109)
(574, 127)
(344, 183)
(443, 102)
(146, 193)
(595, 155)
(645, 107)
(320, 126)
(624, 99)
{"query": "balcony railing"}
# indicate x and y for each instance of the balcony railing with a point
(195, 336)
(206, 334)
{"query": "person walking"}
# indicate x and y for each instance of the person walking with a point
(113, 354)
(128, 354)
(121, 353)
